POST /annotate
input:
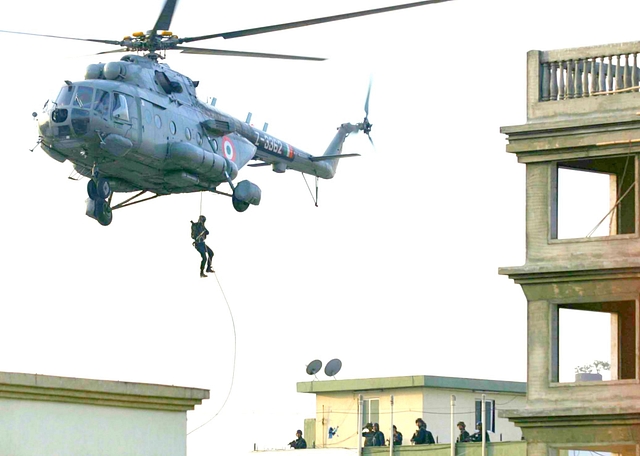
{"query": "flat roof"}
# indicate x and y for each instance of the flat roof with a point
(99, 392)
(414, 381)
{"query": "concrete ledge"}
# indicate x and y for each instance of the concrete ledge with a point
(553, 273)
(574, 416)
(99, 392)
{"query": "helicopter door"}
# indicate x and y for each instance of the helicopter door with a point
(154, 140)
(125, 116)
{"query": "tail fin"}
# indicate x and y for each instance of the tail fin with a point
(334, 151)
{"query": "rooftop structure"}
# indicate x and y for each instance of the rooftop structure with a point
(41, 414)
(401, 400)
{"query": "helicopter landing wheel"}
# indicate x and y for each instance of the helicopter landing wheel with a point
(92, 189)
(238, 205)
(103, 189)
(104, 212)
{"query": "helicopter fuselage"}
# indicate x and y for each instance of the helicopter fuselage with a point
(119, 119)
(140, 126)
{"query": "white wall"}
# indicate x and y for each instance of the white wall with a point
(430, 404)
(438, 418)
(38, 428)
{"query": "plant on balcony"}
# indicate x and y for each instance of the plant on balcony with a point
(586, 373)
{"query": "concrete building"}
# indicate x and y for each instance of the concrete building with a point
(426, 397)
(45, 415)
(582, 125)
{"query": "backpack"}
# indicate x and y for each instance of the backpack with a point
(195, 230)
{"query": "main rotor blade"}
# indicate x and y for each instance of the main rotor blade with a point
(164, 20)
(191, 50)
(320, 20)
(116, 43)
(112, 52)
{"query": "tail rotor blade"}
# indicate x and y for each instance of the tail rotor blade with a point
(371, 140)
(366, 103)
(366, 125)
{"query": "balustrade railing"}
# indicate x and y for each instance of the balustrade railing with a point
(565, 75)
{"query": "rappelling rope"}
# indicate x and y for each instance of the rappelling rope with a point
(200, 203)
(233, 371)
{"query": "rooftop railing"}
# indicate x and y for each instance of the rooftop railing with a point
(589, 76)
(588, 72)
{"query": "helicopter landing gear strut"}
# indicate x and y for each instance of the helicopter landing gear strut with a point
(99, 201)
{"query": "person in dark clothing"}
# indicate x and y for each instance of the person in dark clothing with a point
(397, 436)
(299, 443)
(368, 435)
(422, 436)
(464, 435)
(477, 436)
(378, 436)
(199, 233)
(429, 436)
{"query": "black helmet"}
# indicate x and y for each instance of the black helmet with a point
(202, 218)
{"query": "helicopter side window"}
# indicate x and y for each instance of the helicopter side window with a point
(64, 97)
(83, 97)
(101, 103)
(120, 107)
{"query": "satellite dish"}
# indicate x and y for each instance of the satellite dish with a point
(314, 367)
(333, 367)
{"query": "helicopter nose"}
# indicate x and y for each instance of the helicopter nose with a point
(44, 124)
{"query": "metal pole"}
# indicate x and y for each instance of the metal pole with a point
(453, 436)
(391, 434)
(359, 424)
(324, 433)
(484, 432)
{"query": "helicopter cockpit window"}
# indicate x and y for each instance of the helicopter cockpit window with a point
(101, 102)
(83, 97)
(64, 97)
(120, 107)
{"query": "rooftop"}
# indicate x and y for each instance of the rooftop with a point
(99, 392)
(414, 381)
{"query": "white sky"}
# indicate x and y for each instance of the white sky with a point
(395, 273)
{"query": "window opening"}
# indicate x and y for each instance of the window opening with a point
(594, 341)
(120, 107)
(172, 127)
(370, 411)
(489, 414)
(594, 197)
(101, 103)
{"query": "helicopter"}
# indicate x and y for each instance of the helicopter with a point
(137, 126)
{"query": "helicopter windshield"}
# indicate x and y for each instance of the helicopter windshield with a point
(64, 97)
(83, 97)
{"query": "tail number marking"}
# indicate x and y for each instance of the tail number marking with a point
(274, 146)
